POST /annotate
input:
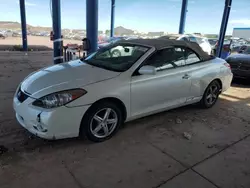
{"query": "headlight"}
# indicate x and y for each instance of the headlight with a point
(59, 98)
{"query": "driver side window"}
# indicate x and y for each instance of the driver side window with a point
(162, 59)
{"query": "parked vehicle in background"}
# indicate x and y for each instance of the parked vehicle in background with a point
(2, 36)
(202, 41)
(110, 40)
(92, 97)
(212, 42)
(240, 63)
(115, 52)
(245, 49)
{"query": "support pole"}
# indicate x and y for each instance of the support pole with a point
(92, 23)
(223, 27)
(112, 18)
(23, 24)
(183, 16)
(57, 37)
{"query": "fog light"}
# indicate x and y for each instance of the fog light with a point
(40, 128)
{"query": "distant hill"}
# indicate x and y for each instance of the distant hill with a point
(10, 25)
(123, 31)
(17, 26)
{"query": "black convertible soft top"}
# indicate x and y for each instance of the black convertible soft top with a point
(164, 43)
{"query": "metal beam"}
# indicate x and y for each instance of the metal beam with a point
(23, 24)
(112, 18)
(92, 23)
(223, 27)
(183, 16)
(57, 37)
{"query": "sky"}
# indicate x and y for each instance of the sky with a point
(203, 16)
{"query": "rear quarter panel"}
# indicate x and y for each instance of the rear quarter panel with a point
(204, 73)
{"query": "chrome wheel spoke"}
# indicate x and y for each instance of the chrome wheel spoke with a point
(210, 90)
(98, 118)
(106, 129)
(209, 96)
(106, 116)
(214, 91)
(210, 100)
(109, 121)
(97, 129)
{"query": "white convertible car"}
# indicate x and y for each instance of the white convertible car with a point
(94, 96)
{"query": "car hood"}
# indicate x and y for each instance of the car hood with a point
(70, 75)
(239, 58)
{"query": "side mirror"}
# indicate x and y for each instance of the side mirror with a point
(147, 70)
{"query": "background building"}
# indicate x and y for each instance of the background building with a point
(242, 32)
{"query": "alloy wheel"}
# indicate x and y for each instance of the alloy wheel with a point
(103, 123)
(212, 94)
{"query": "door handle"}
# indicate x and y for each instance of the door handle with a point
(186, 76)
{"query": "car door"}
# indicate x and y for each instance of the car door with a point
(169, 87)
(200, 72)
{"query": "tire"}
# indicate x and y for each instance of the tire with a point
(94, 124)
(211, 95)
(116, 53)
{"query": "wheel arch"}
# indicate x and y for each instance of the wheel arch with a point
(205, 83)
(219, 81)
(114, 100)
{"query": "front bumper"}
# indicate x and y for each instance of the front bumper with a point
(57, 123)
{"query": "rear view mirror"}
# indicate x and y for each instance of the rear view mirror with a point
(147, 70)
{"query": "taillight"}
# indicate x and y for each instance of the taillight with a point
(227, 65)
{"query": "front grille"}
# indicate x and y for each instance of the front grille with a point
(242, 67)
(21, 96)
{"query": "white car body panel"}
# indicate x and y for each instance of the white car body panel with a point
(153, 92)
(54, 78)
(141, 94)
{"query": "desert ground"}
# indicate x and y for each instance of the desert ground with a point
(35, 40)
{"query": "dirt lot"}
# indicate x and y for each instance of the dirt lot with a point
(150, 152)
(35, 40)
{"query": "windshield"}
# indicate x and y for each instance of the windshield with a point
(119, 57)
